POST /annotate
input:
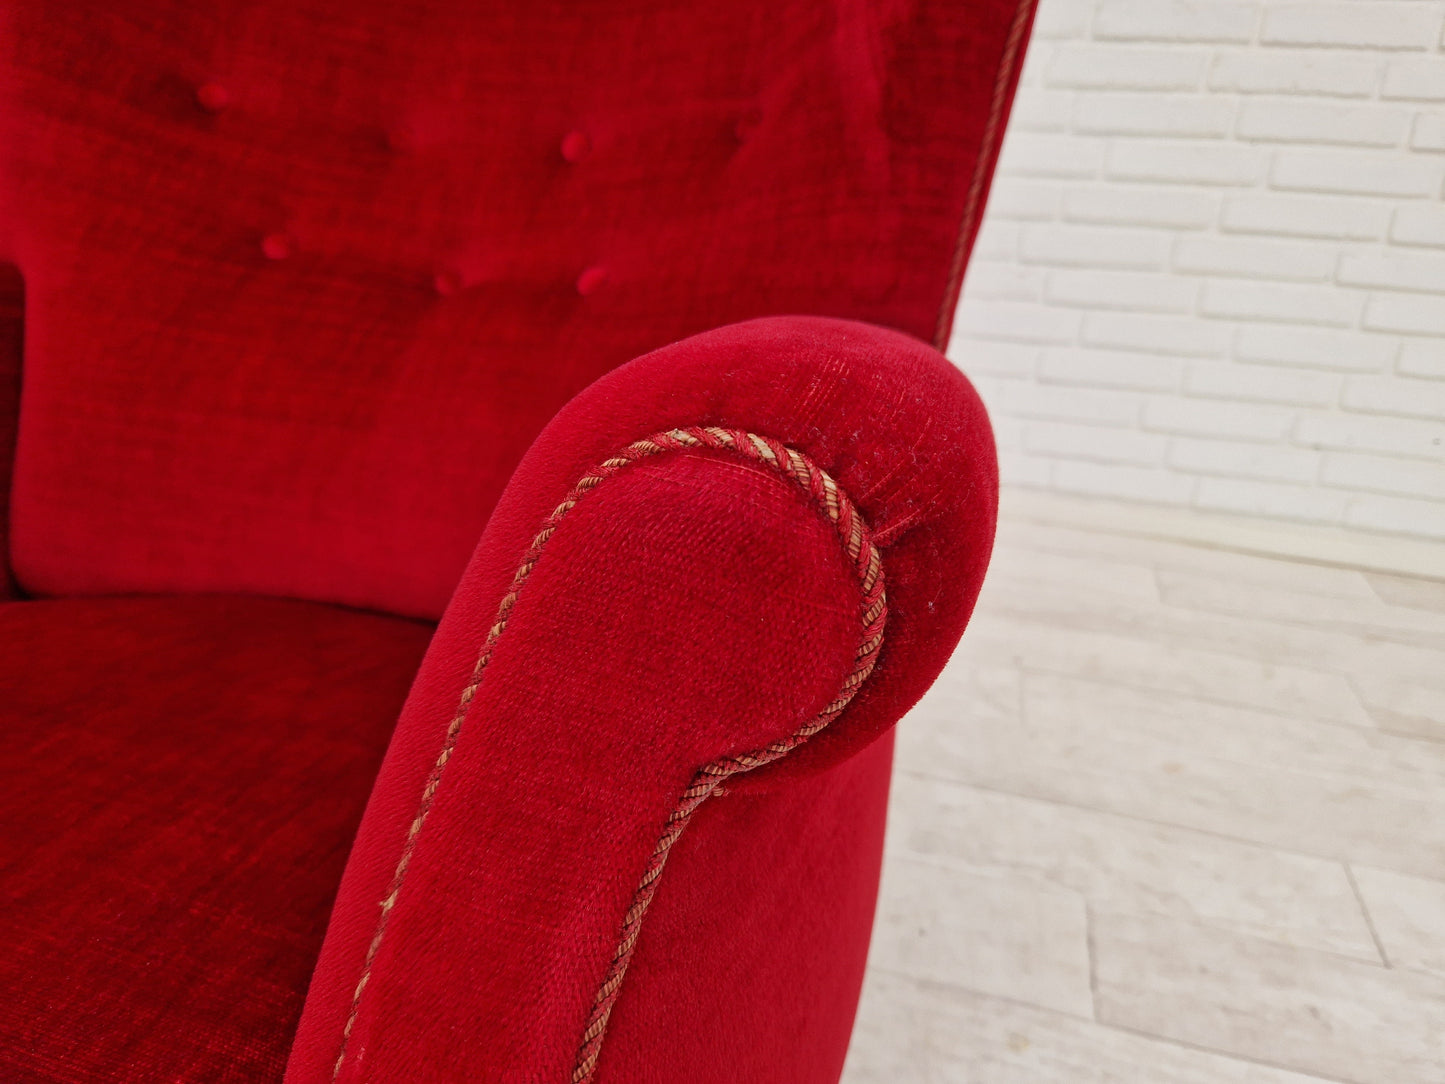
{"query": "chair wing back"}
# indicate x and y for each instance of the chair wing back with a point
(303, 278)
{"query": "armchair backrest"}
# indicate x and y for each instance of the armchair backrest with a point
(303, 278)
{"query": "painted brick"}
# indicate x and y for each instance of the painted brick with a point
(1025, 399)
(1036, 61)
(1396, 395)
(1420, 79)
(1395, 271)
(1423, 357)
(1017, 321)
(1004, 282)
(1248, 258)
(1175, 20)
(1040, 154)
(1240, 300)
(1156, 486)
(1184, 163)
(1130, 290)
(1063, 19)
(1287, 121)
(1155, 334)
(1378, 24)
(1088, 246)
(1104, 67)
(1228, 249)
(1397, 515)
(1385, 474)
(1310, 348)
(1273, 499)
(1361, 432)
(1153, 115)
(1210, 418)
(994, 358)
(997, 240)
(1258, 71)
(1017, 200)
(1110, 369)
(1017, 468)
(1429, 131)
(1405, 313)
(1098, 443)
(1134, 205)
(1237, 459)
(1361, 174)
(1305, 216)
(1263, 384)
(1008, 435)
(1419, 225)
(1043, 111)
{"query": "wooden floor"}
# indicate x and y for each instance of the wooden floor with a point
(1171, 814)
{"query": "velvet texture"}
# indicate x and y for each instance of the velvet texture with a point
(305, 278)
(629, 662)
(302, 282)
(12, 324)
(182, 778)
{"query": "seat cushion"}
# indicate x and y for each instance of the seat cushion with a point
(180, 781)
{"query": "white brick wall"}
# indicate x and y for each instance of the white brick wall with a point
(1212, 271)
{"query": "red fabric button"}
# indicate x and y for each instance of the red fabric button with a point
(576, 146)
(213, 97)
(276, 246)
(591, 280)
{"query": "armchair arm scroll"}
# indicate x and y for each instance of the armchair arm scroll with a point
(718, 576)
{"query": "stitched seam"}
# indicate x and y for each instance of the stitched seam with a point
(867, 564)
(835, 504)
(991, 135)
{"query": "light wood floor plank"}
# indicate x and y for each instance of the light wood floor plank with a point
(1144, 662)
(1197, 793)
(1015, 937)
(1297, 1008)
(912, 1032)
(1409, 916)
(1331, 791)
(1120, 864)
(1373, 620)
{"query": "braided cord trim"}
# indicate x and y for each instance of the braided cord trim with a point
(857, 542)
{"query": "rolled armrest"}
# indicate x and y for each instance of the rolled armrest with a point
(726, 568)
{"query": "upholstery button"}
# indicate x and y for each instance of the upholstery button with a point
(213, 97)
(591, 280)
(576, 146)
(276, 246)
(447, 283)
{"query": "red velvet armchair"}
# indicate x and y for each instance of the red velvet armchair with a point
(313, 296)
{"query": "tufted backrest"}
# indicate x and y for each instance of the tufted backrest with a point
(303, 278)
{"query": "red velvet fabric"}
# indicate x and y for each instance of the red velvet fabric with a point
(630, 660)
(179, 784)
(12, 325)
(305, 278)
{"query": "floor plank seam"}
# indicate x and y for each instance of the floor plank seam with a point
(1365, 912)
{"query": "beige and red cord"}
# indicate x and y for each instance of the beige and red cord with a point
(864, 557)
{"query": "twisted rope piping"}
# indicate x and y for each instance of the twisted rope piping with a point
(791, 465)
(867, 564)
